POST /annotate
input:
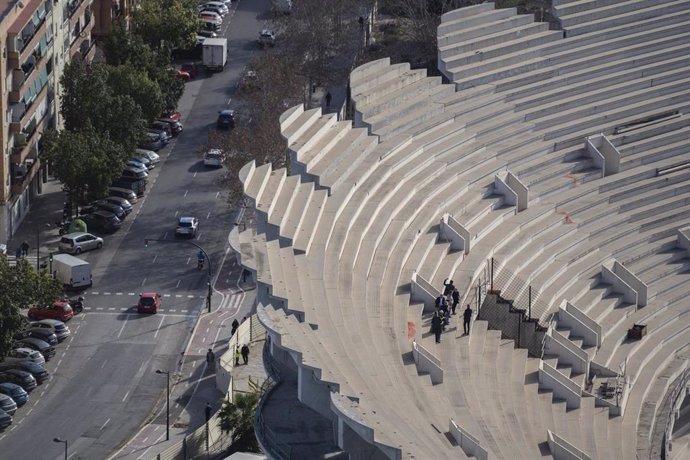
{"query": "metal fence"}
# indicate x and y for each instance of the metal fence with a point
(206, 442)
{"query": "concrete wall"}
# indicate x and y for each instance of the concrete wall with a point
(684, 238)
(581, 325)
(567, 352)
(423, 291)
(625, 282)
(313, 393)
(562, 386)
(468, 443)
(604, 154)
(427, 363)
(563, 450)
(515, 193)
(457, 234)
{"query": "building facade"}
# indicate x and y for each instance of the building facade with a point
(38, 37)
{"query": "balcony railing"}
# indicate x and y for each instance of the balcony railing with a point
(23, 175)
(74, 6)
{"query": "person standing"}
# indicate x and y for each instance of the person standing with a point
(237, 355)
(208, 411)
(436, 327)
(25, 248)
(245, 353)
(467, 317)
(328, 99)
(18, 253)
(448, 287)
(210, 359)
(456, 299)
(235, 325)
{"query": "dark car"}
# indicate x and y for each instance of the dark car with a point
(5, 419)
(160, 126)
(7, 404)
(151, 142)
(103, 221)
(103, 205)
(226, 119)
(175, 126)
(18, 377)
(42, 334)
(37, 370)
(15, 392)
(207, 33)
(40, 345)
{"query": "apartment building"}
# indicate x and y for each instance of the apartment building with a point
(37, 37)
(108, 12)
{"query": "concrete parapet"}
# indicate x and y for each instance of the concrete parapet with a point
(563, 450)
(468, 443)
(457, 234)
(515, 193)
(561, 386)
(427, 363)
(625, 282)
(423, 291)
(604, 154)
(684, 238)
(567, 352)
(580, 324)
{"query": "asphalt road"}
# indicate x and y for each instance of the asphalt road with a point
(104, 384)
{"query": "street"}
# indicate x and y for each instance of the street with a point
(104, 384)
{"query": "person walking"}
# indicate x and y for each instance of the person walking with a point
(456, 299)
(208, 411)
(211, 359)
(328, 99)
(18, 253)
(235, 325)
(245, 353)
(237, 355)
(25, 248)
(436, 327)
(467, 317)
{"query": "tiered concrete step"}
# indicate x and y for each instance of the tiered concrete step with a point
(372, 99)
(328, 138)
(282, 203)
(291, 223)
(596, 10)
(302, 123)
(314, 131)
(336, 166)
(678, 149)
(310, 220)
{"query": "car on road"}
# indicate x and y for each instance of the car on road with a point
(125, 193)
(7, 404)
(22, 353)
(214, 158)
(5, 419)
(121, 202)
(226, 119)
(149, 302)
(58, 310)
(37, 370)
(15, 392)
(57, 327)
(102, 221)
(187, 226)
(18, 377)
(44, 348)
(78, 242)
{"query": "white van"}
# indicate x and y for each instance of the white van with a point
(73, 272)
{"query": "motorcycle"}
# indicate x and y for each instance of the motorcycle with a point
(200, 264)
(63, 227)
(77, 304)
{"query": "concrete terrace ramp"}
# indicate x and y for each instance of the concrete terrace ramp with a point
(563, 154)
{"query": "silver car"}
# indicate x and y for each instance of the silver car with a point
(24, 354)
(77, 242)
(57, 327)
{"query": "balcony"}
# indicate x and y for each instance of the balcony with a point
(23, 174)
(41, 115)
(24, 34)
(79, 36)
(87, 50)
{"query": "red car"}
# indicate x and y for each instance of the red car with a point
(191, 69)
(60, 310)
(172, 115)
(149, 302)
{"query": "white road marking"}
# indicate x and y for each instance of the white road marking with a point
(122, 328)
(176, 212)
(154, 258)
(106, 293)
(159, 327)
(111, 308)
(185, 193)
(59, 362)
(190, 296)
(118, 293)
(29, 411)
(99, 308)
(178, 295)
(217, 194)
(165, 235)
(194, 175)
(188, 259)
(178, 283)
(126, 394)
(208, 216)
(94, 292)
(130, 293)
(106, 422)
(143, 281)
(123, 308)
(184, 311)
(166, 295)
(172, 310)
(103, 365)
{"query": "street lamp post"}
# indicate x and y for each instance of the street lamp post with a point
(63, 441)
(167, 406)
(210, 271)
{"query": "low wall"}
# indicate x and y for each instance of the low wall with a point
(563, 450)
(582, 325)
(427, 363)
(423, 291)
(617, 274)
(608, 275)
(456, 233)
(604, 154)
(468, 443)
(562, 386)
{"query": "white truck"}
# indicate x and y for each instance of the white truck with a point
(215, 53)
(72, 272)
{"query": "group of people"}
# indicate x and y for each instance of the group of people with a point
(444, 308)
(22, 250)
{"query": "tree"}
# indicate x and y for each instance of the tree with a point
(85, 161)
(126, 80)
(87, 100)
(238, 419)
(167, 23)
(22, 287)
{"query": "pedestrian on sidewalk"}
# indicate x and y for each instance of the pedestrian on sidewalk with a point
(211, 359)
(467, 317)
(18, 253)
(456, 299)
(237, 355)
(235, 325)
(208, 411)
(245, 353)
(328, 99)
(436, 327)
(25, 248)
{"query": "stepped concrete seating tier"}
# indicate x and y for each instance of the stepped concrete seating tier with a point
(337, 242)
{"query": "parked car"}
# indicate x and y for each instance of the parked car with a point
(77, 242)
(213, 9)
(125, 193)
(131, 172)
(207, 33)
(175, 126)
(39, 334)
(37, 370)
(121, 202)
(15, 392)
(267, 38)
(137, 163)
(187, 226)
(102, 205)
(210, 16)
(151, 142)
(102, 221)
(40, 345)
(226, 119)
(192, 69)
(57, 327)
(152, 156)
(214, 158)
(7, 404)
(161, 134)
(162, 126)
(19, 377)
(210, 26)
(172, 115)
(149, 302)
(5, 419)
(59, 310)
(23, 353)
